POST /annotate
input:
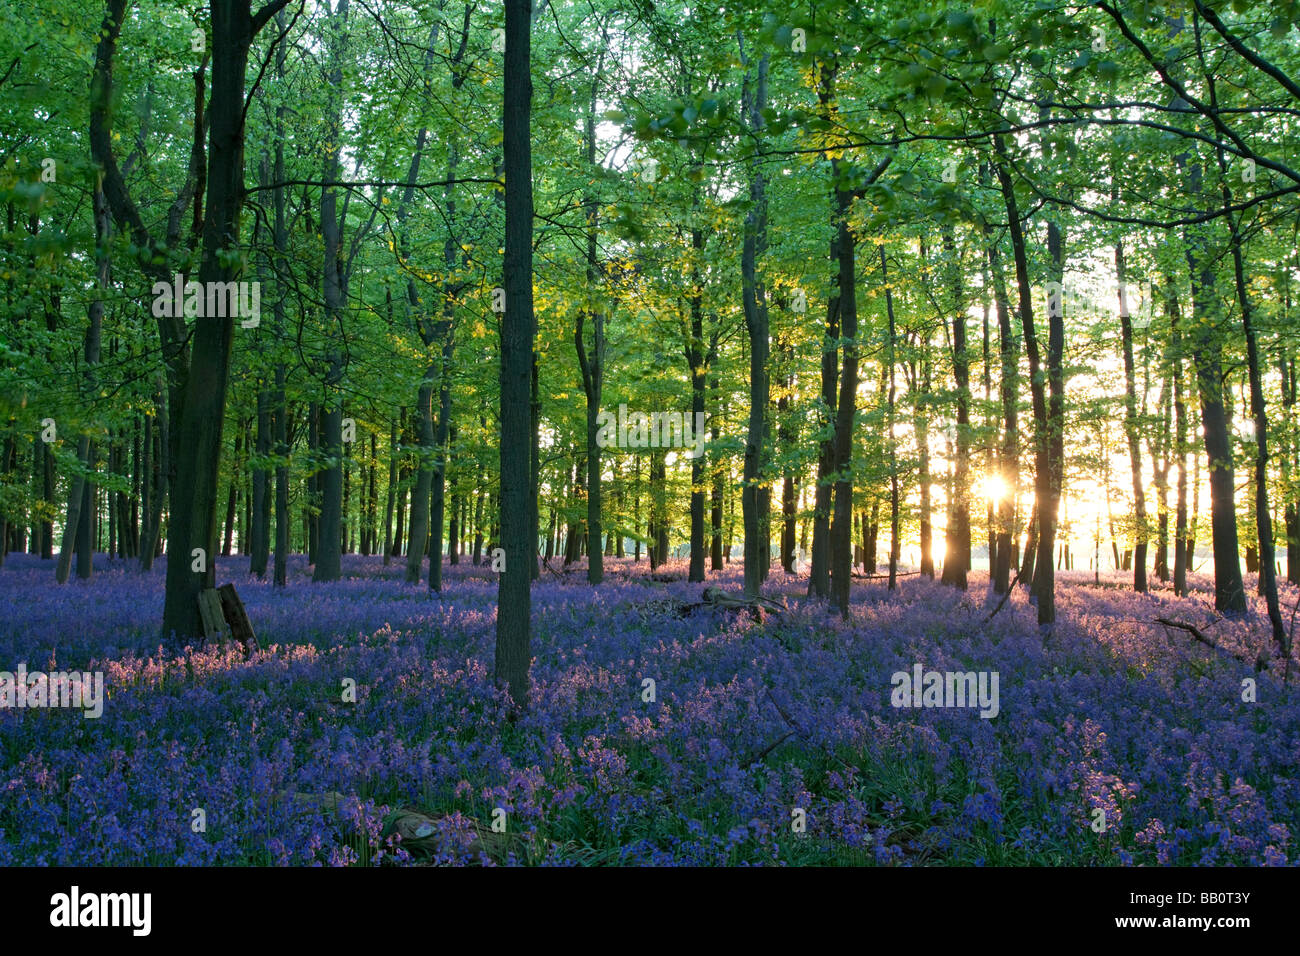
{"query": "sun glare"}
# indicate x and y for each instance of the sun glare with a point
(993, 488)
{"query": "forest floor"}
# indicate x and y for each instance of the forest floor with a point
(1118, 741)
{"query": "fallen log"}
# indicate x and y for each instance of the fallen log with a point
(720, 599)
(418, 831)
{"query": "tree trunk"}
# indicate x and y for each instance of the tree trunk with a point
(1263, 517)
(1216, 422)
(76, 530)
(232, 497)
(958, 537)
(1009, 452)
(892, 450)
(1131, 427)
(754, 300)
(1042, 534)
(514, 601)
(193, 518)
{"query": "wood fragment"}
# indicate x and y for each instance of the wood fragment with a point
(223, 616)
(210, 613)
(232, 610)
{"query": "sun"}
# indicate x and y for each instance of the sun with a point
(993, 488)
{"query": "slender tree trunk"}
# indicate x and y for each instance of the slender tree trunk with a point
(1042, 532)
(1132, 427)
(76, 530)
(958, 536)
(1286, 366)
(1009, 452)
(893, 450)
(1181, 554)
(592, 364)
(716, 561)
(232, 497)
(842, 465)
(754, 300)
(441, 438)
(1263, 517)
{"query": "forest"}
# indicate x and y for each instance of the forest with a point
(627, 432)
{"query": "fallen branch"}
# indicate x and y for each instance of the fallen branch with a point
(1012, 587)
(882, 577)
(718, 598)
(1260, 663)
(418, 831)
(766, 750)
(795, 728)
(1290, 643)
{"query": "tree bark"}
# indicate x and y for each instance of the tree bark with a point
(1132, 427)
(754, 300)
(193, 518)
(514, 600)
(958, 536)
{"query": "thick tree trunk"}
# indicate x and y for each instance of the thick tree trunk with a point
(1216, 423)
(332, 532)
(193, 518)
(514, 601)
(279, 398)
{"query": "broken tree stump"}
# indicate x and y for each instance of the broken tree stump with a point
(214, 622)
(222, 613)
